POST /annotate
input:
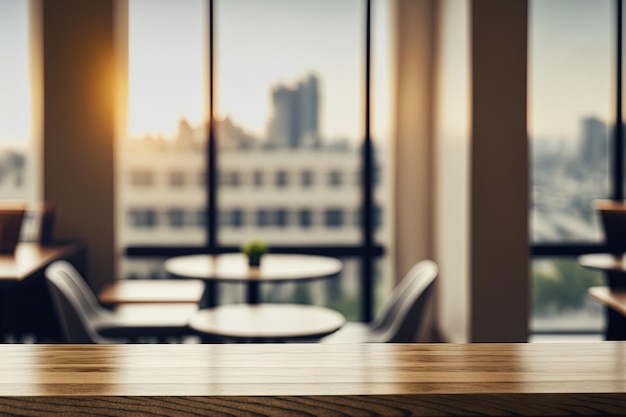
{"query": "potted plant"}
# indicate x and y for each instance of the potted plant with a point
(254, 249)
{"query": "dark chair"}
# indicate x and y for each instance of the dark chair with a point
(401, 318)
(84, 320)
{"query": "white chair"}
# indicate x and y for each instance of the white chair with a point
(84, 320)
(402, 316)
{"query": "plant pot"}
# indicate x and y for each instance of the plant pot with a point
(254, 260)
(613, 218)
(11, 218)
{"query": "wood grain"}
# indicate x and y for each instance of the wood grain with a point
(312, 379)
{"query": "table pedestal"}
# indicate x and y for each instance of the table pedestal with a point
(211, 296)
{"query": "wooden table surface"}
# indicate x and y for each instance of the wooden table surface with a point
(149, 291)
(614, 298)
(296, 379)
(30, 257)
(603, 262)
(234, 267)
(267, 322)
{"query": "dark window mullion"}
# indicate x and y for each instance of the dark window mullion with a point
(211, 182)
(167, 251)
(367, 287)
(617, 191)
(566, 250)
(367, 250)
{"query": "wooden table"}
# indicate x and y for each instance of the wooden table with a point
(233, 267)
(25, 305)
(267, 322)
(30, 258)
(150, 291)
(603, 262)
(614, 268)
(614, 300)
(296, 379)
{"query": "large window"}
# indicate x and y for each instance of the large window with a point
(289, 153)
(18, 150)
(572, 72)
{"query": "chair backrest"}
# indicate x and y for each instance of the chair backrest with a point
(75, 304)
(402, 315)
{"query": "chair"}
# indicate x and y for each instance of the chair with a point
(402, 316)
(84, 320)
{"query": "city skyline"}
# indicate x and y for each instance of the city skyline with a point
(569, 41)
(15, 89)
(255, 49)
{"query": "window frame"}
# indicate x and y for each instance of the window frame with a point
(616, 179)
(366, 251)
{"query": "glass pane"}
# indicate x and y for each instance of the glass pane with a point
(161, 187)
(342, 293)
(559, 297)
(381, 107)
(290, 120)
(17, 148)
(571, 50)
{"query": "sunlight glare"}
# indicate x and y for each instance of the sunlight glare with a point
(167, 56)
(15, 86)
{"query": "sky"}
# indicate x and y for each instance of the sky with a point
(15, 95)
(260, 44)
(571, 58)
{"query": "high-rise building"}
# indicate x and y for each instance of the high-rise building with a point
(594, 144)
(295, 121)
(308, 101)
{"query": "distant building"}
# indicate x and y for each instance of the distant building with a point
(14, 184)
(285, 196)
(295, 120)
(594, 143)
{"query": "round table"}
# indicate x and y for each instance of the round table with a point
(233, 267)
(603, 262)
(614, 268)
(266, 322)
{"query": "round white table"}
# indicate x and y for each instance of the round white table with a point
(266, 322)
(603, 262)
(233, 267)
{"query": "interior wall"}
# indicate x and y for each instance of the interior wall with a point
(499, 178)
(482, 171)
(79, 126)
(452, 156)
(36, 81)
(413, 228)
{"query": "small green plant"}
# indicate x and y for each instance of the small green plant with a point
(254, 249)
